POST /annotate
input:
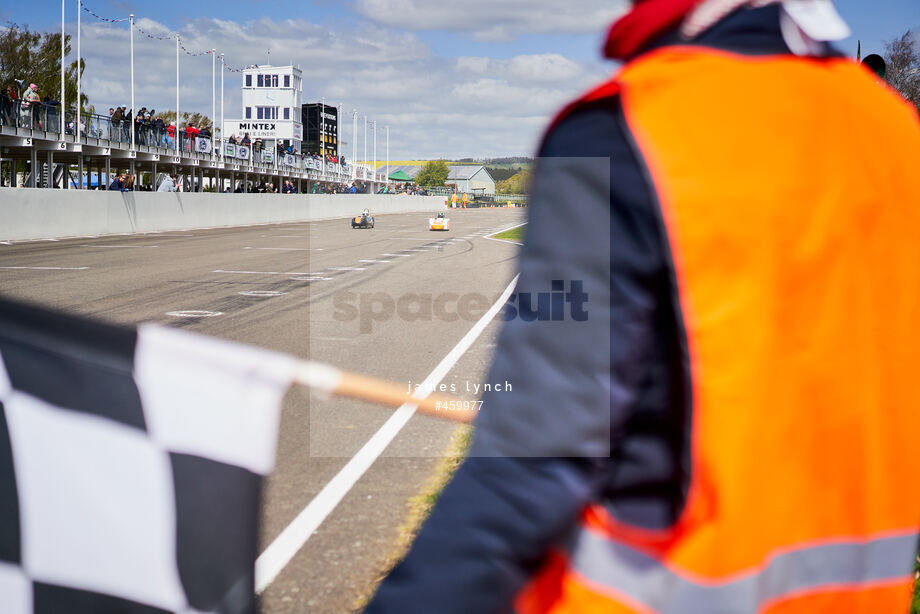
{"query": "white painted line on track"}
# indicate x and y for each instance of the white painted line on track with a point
(399, 255)
(122, 246)
(280, 552)
(262, 293)
(311, 278)
(263, 272)
(346, 268)
(194, 313)
(490, 237)
(47, 268)
(287, 249)
(376, 261)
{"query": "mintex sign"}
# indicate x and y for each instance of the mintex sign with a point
(258, 126)
(265, 129)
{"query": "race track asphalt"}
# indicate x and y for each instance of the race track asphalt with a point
(390, 302)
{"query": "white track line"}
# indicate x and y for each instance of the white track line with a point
(263, 272)
(280, 552)
(375, 261)
(121, 246)
(346, 268)
(47, 268)
(490, 237)
(286, 249)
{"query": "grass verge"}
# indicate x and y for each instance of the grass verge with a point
(515, 234)
(419, 506)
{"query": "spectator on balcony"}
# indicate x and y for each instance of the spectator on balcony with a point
(191, 132)
(148, 127)
(171, 135)
(140, 129)
(159, 131)
(246, 142)
(9, 106)
(116, 119)
(30, 102)
(49, 108)
(126, 122)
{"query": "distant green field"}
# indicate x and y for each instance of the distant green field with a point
(515, 234)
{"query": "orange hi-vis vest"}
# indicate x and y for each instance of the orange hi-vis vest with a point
(789, 191)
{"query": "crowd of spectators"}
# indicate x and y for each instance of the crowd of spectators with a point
(24, 107)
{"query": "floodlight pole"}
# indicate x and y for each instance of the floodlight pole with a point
(322, 132)
(177, 94)
(213, 98)
(133, 110)
(77, 127)
(63, 105)
(223, 136)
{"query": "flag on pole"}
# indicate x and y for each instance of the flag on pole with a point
(131, 463)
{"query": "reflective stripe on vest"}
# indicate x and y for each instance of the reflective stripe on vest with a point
(790, 204)
(622, 569)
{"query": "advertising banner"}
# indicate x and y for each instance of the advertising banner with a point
(203, 145)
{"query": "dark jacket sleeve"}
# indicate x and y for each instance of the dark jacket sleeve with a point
(542, 450)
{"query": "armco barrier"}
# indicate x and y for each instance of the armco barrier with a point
(52, 214)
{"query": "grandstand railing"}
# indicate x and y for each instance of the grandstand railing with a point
(43, 120)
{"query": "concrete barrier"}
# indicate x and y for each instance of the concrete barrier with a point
(53, 214)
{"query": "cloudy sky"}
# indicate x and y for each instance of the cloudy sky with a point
(467, 78)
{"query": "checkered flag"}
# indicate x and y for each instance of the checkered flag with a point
(130, 466)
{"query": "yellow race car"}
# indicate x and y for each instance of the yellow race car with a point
(362, 221)
(439, 223)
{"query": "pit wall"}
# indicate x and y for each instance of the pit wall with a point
(54, 214)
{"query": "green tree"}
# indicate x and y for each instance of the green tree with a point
(517, 184)
(34, 57)
(433, 173)
(196, 119)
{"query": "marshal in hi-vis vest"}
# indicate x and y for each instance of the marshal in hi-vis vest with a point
(789, 192)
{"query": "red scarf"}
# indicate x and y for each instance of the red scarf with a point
(647, 20)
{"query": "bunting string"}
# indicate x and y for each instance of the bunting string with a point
(100, 17)
(159, 37)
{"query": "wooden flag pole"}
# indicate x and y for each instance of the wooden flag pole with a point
(328, 379)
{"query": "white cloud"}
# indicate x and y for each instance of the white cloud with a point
(435, 106)
(494, 20)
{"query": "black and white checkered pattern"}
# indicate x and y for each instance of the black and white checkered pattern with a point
(130, 466)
